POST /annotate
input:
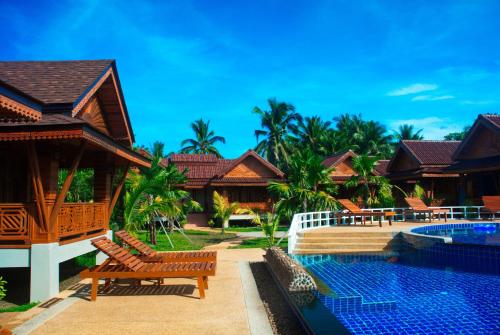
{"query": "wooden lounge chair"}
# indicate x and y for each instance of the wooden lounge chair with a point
(417, 206)
(148, 255)
(356, 211)
(122, 264)
(491, 205)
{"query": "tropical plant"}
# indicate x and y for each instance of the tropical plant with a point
(269, 223)
(313, 133)
(407, 132)
(276, 124)
(373, 189)
(204, 141)
(223, 210)
(308, 187)
(153, 192)
(3, 289)
(82, 186)
(457, 136)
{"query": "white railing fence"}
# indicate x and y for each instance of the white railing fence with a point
(313, 220)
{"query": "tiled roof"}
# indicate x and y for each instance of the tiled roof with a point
(381, 166)
(432, 152)
(46, 120)
(332, 160)
(52, 82)
(493, 118)
(205, 168)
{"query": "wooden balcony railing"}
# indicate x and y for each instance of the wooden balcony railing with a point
(18, 223)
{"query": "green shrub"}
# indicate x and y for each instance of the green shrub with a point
(87, 260)
(3, 289)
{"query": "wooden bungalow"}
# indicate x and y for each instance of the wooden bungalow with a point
(477, 160)
(56, 116)
(243, 180)
(343, 170)
(425, 163)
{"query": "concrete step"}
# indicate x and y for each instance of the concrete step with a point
(341, 246)
(336, 251)
(345, 234)
(363, 239)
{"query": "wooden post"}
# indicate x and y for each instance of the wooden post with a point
(65, 187)
(37, 185)
(118, 190)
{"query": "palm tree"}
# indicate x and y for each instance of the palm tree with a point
(458, 136)
(152, 192)
(223, 210)
(313, 133)
(407, 132)
(205, 140)
(373, 189)
(276, 124)
(269, 223)
(308, 187)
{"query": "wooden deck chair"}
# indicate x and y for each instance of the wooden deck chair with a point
(354, 211)
(122, 264)
(148, 255)
(417, 206)
(491, 205)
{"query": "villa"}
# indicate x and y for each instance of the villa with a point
(243, 180)
(54, 117)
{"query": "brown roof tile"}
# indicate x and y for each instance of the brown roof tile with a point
(381, 166)
(432, 152)
(46, 120)
(333, 160)
(53, 82)
(493, 118)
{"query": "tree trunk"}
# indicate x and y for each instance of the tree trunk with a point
(152, 233)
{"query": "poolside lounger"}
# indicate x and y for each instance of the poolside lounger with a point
(417, 206)
(148, 255)
(122, 264)
(491, 205)
(356, 211)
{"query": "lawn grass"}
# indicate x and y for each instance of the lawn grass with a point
(251, 229)
(199, 240)
(260, 242)
(19, 308)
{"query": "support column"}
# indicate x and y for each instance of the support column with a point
(44, 277)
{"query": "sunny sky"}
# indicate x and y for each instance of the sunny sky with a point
(434, 64)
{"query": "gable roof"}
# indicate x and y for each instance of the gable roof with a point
(53, 82)
(334, 160)
(381, 166)
(491, 121)
(66, 87)
(203, 169)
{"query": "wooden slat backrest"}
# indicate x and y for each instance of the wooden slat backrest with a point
(417, 204)
(143, 248)
(350, 206)
(117, 253)
(491, 202)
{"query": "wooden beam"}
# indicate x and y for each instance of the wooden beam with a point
(65, 187)
(118, 190)
(37, 185)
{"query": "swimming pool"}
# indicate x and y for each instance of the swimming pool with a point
(400, 293)
(469, 233)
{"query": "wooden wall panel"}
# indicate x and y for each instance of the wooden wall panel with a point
(93, 114)
(250, 168)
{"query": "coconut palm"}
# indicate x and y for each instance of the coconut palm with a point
(373, 189)
(223, 210)
(313, 133)
(308, 187)
(276, 124)
(152, 192)
(205, 140)
(407, 132)
(269, 223)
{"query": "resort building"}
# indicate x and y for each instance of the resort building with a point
(343, 170)
(56, 118)
(426, 163)
(477, 160)
(243, 180)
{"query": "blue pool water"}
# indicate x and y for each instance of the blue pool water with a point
(400, 293)
(472, 233)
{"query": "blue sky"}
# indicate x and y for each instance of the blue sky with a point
(434, 64)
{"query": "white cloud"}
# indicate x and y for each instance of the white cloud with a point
(432, 98)
(412, 89)
(433, 128)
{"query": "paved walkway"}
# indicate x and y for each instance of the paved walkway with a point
(170, 309)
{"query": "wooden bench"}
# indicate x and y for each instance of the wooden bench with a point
(356, 211)
(491, 205)
(417, 206)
